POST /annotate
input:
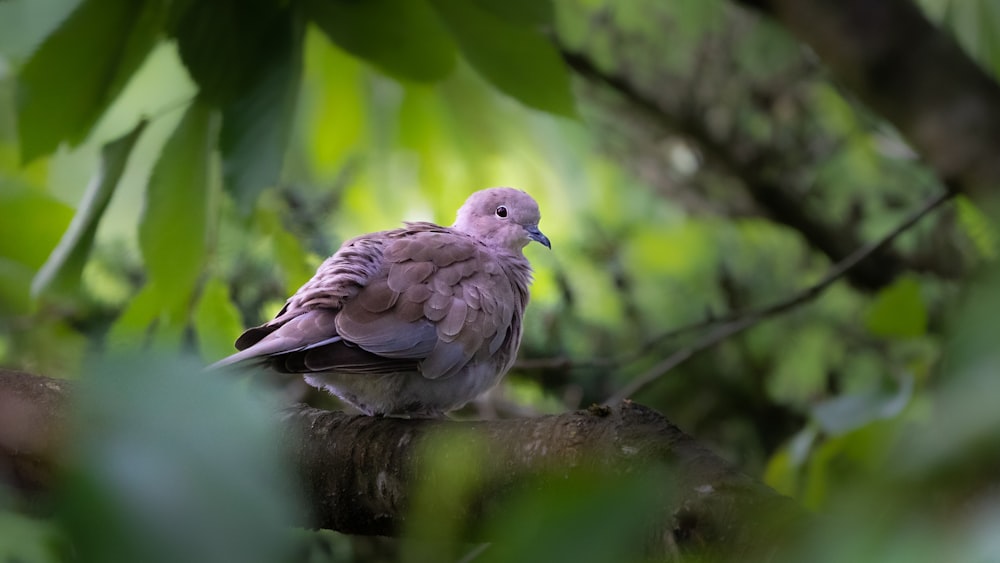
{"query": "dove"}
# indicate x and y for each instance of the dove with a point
(415, 321)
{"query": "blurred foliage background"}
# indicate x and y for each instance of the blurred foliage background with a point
(170, 171)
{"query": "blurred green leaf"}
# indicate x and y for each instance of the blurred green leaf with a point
(80, 69)
(15, 284)
(517, 59)
(898, 311)
(217, 321)
(287, 250)
(141, 311)
(29, 540)
(173, 228)
(581, 518)
(257, 123)
(62, 271)
(222, 43)
(800, 372)
(32, 223)
(978, 227)
(171, 464)
(530, 12)
(402, 37)
(435, 527)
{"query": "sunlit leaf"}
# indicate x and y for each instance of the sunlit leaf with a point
(898, 311)
(402, 37)
(217, 321)
(257, 123)
(32, 222)
(338, 109)
(517, 59)
(64, 266)
(80, 69)
(173, 229)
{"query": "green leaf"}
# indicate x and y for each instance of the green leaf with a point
(978, 227)
(531, 12)
(171, 464)
(32, 222)
(173, 229)
(217, 321)
(224, 42)
(402, 37)
(141, 311)
(586, 518)
(64, 267)
(898, 311)
(80, 69)
(287, 249)
(257, 123)
(30, 539)
(517, 59)
(15, 293)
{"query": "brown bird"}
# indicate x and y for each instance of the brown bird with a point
(416, 321)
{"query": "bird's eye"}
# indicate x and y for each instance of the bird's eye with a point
(501, 211)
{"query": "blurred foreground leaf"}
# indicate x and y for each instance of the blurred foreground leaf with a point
(257, 123)
(532, 12)
(223, 42)
(517, 59)
(583, 518)
(170, 463)
(80, 69)
(61, 272)
(29, 540)
(402, 37)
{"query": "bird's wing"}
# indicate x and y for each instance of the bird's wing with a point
(388, 302)
(442, 301)
(307, 319)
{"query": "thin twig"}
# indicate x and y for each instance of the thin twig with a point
(738, 322)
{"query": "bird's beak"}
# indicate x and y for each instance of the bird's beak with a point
(537, 236)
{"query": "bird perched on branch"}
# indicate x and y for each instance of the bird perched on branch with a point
(414, 321)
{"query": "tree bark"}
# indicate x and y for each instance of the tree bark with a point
(359, 474)
(914, 75)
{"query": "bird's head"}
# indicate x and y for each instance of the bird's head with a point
(503, 217)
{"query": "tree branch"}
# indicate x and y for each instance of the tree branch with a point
(782, 203)
(359, 473)
(911, 73)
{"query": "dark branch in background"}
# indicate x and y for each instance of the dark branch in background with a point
(360, 474)
(913, 74)
(736, 323)
(781, 202)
